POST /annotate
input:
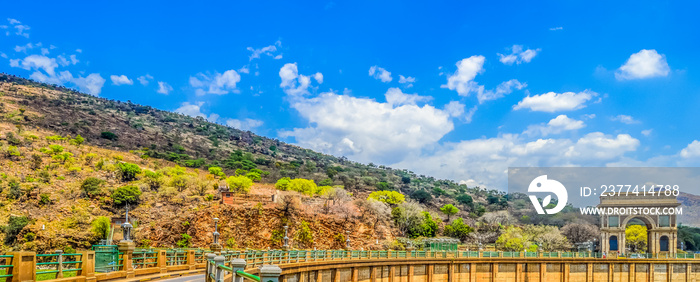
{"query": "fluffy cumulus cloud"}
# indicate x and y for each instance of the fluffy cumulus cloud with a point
(195, 110)
(555, 126)
(643, 64)
(217, 83)
(380, 74)
(395, 97)
(244, 124)
(691, 151)
(556, 102)
(486, 161)
(407, 81)
(164, 88)
(518, 55)
(145, 79)
(121, 80)
(270, 51)
(463, 82)
(296, 84)
(45, 70)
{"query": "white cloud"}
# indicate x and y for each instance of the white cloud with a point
(554, 102)
(395, 97)
(121, 80)
(487, 160)
(244, 124)
(454, 108)
(407, 81)
(79, 50)
(380, 73)
(195, 110)
(21, 29)
(463, 82)
(24, 48)
(267, 50)
(367, 130)
(216, 83)
(647, 132)
(692, 150)
(643, 64)
(44, 51)
(92, 84)
(164, 88)
(625, 119)
(244, 69)
(36, 62)
(144, 79)
(3, 55)
(556, 28)
(518, 55)
(555, 126)
(296, 84)
(502, 89)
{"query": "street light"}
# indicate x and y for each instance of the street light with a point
(216, 230)
(347, 240)
(126, 227)
(286, 239)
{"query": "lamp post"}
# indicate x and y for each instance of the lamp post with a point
(126, 227)
(215, 246)
(347, 240)
(286, 239)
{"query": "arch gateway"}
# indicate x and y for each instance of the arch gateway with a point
(662, 230)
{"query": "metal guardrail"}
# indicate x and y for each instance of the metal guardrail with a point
(248, 275)
(4, 267)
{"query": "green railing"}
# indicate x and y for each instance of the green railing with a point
(144, 259)
(5, 260)
(248, 275)
(50, 265)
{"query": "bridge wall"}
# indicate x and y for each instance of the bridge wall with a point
(456, 270)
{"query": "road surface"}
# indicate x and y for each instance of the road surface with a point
(190, 278)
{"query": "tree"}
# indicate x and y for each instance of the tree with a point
(181, 182)
(185, 241)
(101, 226)
(304, 186)
(91, 186)
(129, 194)
(389, 197)
(636, 237)
(78, 140)
(458, 229)
(239, 184)
(421, 196)
(215, 170)
(512, 240)
(449, 210)
(109, 135)
(283, 184)
(128, 171)
(14, 226)
(62, 157)
(465, 199)
(304, 235)
(580, 232)
(254, 176)
(153, 179)
(374, 209)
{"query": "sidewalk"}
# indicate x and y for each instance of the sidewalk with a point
(161, 276)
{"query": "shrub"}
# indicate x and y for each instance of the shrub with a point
(91, 186)
(254, 176)
(56, 149)
(283, 184)
(239, 184)
(78, 140)
(126, 195)
(109, 135)
(14, 226)
(15, 190)
(304, 186)
(458, 229)
(421, 196)
(215, 170)
(304, 235)
(12, 152)
(153, 179)
(465, 199)
(101, 227)
(181, 182)
(128, 171)
(45, 199)
(326, 182)
(185, 241)
(63, 157)
(389, 197)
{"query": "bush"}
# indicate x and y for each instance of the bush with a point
(304, 186)
(126, 195)
(14, 226)
(326, 182)
(304, 235)
(389, 197)
(45, 199)
(185, 241)
(15, 190)
(239, 184)
(283, 184)
(78, 140)
(465, 199)
(153, 179)
(254, 176)
(421, 196)
(215, 170)
(128, 171)
(92, 186)
(101, 227)
(458, 229)
(181, 182)
(109, 135)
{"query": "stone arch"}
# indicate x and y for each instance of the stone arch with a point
(614, 243)
(650, 223)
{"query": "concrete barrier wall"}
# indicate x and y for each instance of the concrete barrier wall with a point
(506, 270)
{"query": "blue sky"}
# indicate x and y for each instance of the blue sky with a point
(456, 90)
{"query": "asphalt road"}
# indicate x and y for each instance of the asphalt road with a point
(191, 278)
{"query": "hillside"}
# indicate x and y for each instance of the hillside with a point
(45, 167)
